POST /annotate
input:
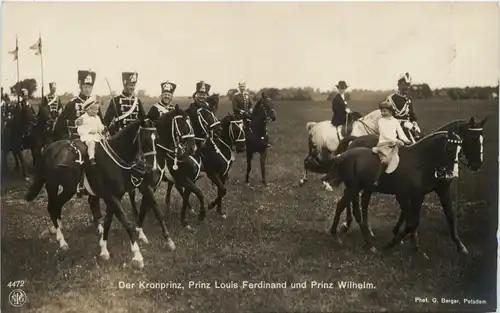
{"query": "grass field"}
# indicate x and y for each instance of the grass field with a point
(274, 234)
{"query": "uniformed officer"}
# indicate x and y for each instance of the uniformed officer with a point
(74, 108)
(164, 105)
(126, 107)
(339, 105)
(200, 95)
(52, 102)
(242, 104)
(403, 107)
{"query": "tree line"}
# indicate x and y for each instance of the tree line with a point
(417, 91)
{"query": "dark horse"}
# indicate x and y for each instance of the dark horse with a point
(257, 138)
(23, 130)
(414, 177)
(213, 102)
(471, 133)
(117, 158)
(217, 156)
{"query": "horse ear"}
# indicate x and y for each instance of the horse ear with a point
(177, 108)
(483, 121)
(472, 121)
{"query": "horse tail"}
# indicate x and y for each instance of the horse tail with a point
(37, 184)
(344, 143)
(309, 126)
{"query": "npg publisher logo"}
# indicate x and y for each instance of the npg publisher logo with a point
(17, 298)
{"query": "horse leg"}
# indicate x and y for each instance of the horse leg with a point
(263, 157)
(55, 204)
(354, 195)
(416, 207)
(249, 165)
(19, 155)
(114, 204)
(95, 208)
(365, 202)
(191, 187)
(16, 160)
(131, 195)
(148, 200)
(443, 193)
(168, 194)
(405, 211)
(221, 192)
(347, 224)
(341, 205)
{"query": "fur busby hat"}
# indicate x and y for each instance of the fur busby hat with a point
(86, 78)
(168, 87)
(129, 78)
(342, 85)
(201, 86)
(242, 84)
(52, 84)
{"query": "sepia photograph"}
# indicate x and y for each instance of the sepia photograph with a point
(252, 156)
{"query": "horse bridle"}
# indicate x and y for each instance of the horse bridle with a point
(444, 169)
(177, 141)
(204, 124)
(119, 161)
(462, 157)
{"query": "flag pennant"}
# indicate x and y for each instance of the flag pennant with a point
(15, 51)
(37, 46)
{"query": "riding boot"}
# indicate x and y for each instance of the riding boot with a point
(81, 188)
(380, 171)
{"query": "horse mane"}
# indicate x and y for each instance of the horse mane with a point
(455, 125)
(426, 138)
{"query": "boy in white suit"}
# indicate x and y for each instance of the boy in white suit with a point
(90, 127)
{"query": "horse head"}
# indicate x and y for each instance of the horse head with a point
(472, 135)
(176, 134)
(146, 138)
(233, 132)
(264, 110)
(213, 102)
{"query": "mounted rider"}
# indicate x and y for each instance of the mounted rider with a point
(242, 104)
(164, 105)
(341, 113)
(403, 107)
(126, 107)
(53, 104)
(200, 96)
(74, 108)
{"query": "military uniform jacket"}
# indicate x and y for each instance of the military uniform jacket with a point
(158, 109)
(53, 104)
(241, 101)
(72, 111)
(339, 106)
(403, 109)
(123, 109)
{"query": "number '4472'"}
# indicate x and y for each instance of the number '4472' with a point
(16, 284)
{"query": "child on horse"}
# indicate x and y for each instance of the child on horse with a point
(391, 137)
(90, 127)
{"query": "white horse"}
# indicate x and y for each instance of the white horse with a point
(324, 137)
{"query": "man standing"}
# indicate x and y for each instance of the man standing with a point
(74, 108)
(125, 107)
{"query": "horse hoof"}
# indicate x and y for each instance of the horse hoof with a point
(343, 228)
(223, 216)
(188, 227)
(171, 244)
(143, 238)
(192, 211)
(104, 256)
(64, 247)
(327, 186)
(373, 250)
(302, 182)
(138, 263)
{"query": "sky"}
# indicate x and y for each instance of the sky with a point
(279, 44)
